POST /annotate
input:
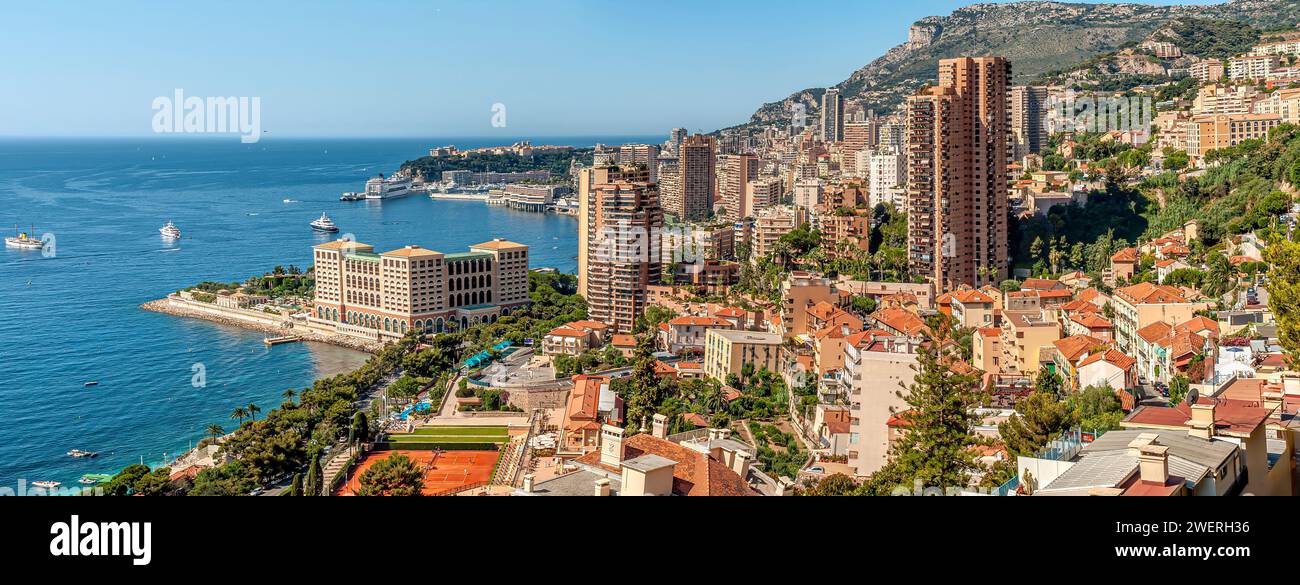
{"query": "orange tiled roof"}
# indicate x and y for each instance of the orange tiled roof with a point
(1092, 321)
(1147, 293)
(623, 340)
(700, 321)
(971, 296)
(1075, 346)
(901, 320)
(695, 473)
(1113, 356)
(566, 332)
(1126, 255)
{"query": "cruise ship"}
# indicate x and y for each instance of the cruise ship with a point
(324, 224)
(170, 231)
(379, 187)
(23, 241)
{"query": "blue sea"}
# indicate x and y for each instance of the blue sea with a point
(75, 317)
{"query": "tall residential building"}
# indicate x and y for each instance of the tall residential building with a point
(859, 136)
(886, 177)
(382, 296)
(668, 173)
(808, 193)
(588, 180)
(957, 174)
(624, 257)
(1028, 112)
(690, 198)
(893, 135)
(876, 368)
(768, 227)
(832, 116)
(640, 154)
(763, 193)
(735, 171)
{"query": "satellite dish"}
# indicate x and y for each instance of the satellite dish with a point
(1192, 396)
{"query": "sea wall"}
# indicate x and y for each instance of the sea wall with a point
(255, 320)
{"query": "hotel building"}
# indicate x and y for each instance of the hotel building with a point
(382, 296)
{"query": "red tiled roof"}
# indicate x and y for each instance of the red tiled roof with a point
(1236, 417)
(1040, 284)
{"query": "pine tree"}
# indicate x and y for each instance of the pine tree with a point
(1283, 256)
(295, 488)
(1042, 416)
(645, 389)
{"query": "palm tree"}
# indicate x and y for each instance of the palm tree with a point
(289, 394)
(215, 431)
(714, 399)
(239, 413)
(252, 410)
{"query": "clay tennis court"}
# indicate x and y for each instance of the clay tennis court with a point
(442, 471)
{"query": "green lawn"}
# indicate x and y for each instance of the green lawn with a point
(446, 439)
(453, 431)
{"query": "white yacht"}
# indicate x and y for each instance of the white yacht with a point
(324, 224)
(393, 187)
(23, 241)
(170, 231)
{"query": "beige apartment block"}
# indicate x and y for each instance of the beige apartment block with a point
(1025, 334)
(726, 352)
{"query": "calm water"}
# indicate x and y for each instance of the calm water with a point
(75, 317)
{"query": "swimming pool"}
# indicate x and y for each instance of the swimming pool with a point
(422, 405)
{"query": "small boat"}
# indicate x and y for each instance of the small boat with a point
(290, 201)
(80, 454)
(352, 196)
(170, 231)
(92, 383)
(46, 484)
(23, 241)
(324, 224)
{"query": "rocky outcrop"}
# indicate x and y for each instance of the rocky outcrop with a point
(1038, 37)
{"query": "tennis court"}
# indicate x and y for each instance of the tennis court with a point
(443, 470)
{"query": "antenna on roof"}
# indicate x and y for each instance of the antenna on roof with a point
(1192, 396)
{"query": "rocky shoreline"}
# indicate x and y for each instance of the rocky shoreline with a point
(177, 309)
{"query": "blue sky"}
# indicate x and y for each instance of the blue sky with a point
(433, 68)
